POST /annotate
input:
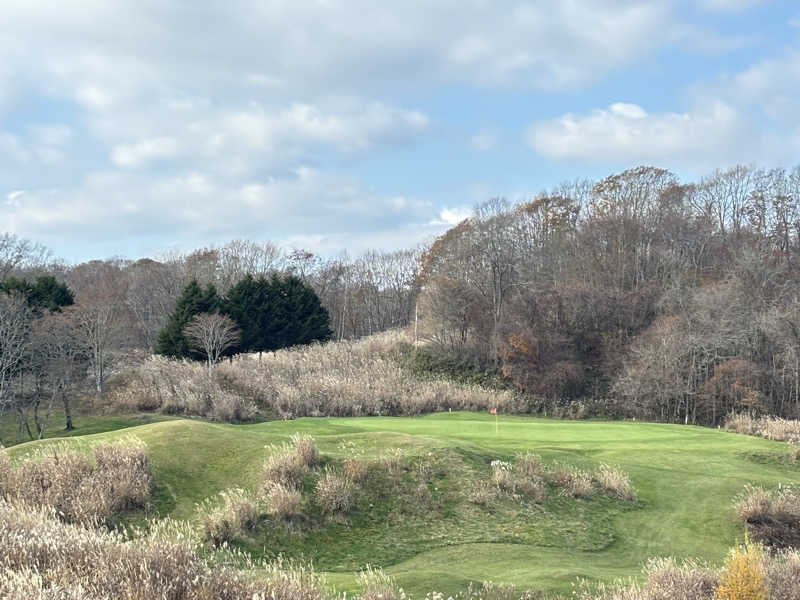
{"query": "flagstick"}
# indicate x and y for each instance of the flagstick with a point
(496, 419)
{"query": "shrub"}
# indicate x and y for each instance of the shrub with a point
(334, 493)
(743, 575)
(234, 514)
(284, 502)
(283, 467)
(305, 449)
(615, 481)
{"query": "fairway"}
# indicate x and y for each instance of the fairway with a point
(686, 478)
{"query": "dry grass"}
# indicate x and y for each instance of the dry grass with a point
(334, 493)
(349, 378)
(572, 481)
(80, 489)
(283, 467)
(44, 558)
(772, 428)
(226, 519)
(773, 518)
(615, 481)
(355, 470)
(305, 449)
(377, 585)
(284, 502)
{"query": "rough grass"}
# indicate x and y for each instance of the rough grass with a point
(771, 428)
(82, 487)
(359, 378)
(772, 517)
(434, 537)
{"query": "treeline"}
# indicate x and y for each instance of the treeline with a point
(96, 316)
(638, 295)
(641, 295)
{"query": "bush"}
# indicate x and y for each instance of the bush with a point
(334, 493)
(615, 481)
(743, 576)
(284, 502)
(234, 514)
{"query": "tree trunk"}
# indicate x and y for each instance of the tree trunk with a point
(67, 412)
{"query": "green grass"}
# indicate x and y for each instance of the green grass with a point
(686, 477)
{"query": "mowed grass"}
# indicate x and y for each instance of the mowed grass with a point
(686, 477)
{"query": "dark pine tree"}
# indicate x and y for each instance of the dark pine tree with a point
(276, 313)
(46, 293)
(193, 301)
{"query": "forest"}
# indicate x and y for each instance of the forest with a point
(635, 296)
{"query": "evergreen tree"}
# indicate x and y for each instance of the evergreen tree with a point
(193, 301)
(45, 293)
(276, 313)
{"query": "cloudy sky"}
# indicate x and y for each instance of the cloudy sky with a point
(129, 127)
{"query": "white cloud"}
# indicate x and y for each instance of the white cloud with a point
(483, 141)
(627, 133)
(730, 5)
(200, 208)
(752, 116)
(452, 216)
(144, 151)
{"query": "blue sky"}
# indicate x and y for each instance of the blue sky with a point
(135, 127)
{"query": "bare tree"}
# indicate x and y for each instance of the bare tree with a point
(15, 323)
(16, 252)
(98, 314)
(58, 361)
(212, 334)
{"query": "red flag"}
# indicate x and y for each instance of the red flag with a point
(493, 411)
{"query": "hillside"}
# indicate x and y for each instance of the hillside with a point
(686, 479)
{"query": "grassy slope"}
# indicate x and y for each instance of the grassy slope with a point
(687, 478)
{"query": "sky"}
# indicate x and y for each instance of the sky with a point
(134, 127)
